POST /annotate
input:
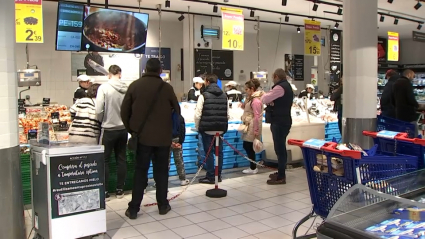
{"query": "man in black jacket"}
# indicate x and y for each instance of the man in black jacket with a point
(211, 117)
(278, 113)
(155, 138)
(387, 107)
(404, 99)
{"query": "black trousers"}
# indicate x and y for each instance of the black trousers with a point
(279, 133)
(249, 149)
(115, 140)
(159, 156)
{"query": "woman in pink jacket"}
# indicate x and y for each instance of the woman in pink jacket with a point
(252, 118)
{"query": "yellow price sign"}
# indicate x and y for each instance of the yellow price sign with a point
(312, 35)
(29, 21)
(393, 46)
(233, 29)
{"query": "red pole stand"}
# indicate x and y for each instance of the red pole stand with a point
(216, 192)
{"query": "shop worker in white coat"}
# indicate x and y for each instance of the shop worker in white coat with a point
(232, 92)
(308, 92)
(84, 83)
(196, 90)
(114, 136)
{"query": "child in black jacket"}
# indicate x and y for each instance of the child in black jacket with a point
(176, 148)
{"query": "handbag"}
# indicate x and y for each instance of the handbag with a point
(133, 141)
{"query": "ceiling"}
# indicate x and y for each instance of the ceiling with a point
(402, 8)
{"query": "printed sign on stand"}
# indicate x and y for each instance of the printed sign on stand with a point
(233, 29)
(29, 21)
(298, 67)
(312, 35)
(393, 46)
(153, 52)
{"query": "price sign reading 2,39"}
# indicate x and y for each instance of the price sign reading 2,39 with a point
(233, 29)
(29, 21)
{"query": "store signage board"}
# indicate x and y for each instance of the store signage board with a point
(233, 29)
(222, 63)
(298, 67)
(29, 21)
(77, 184)
(418, 36)
(312, 35)
(393, 46)
(153, 52)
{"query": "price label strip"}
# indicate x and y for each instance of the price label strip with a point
(29, 21)
(233, 29)
(387, 134)
(314, 143)
(312, 36)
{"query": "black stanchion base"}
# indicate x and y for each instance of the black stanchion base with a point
(216, 193)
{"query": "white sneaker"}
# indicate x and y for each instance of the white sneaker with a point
(184, 182)
(250, 171)
(144, 191)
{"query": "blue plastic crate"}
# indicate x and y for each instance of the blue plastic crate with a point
(242, 164)
(331, 125)
(228, 165)
(332, 131)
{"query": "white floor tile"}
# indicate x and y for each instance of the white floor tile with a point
(288, 230)
(214, 225)
(254, 228)
(207, 206)
(223, 212)
(187, 210)
(237, 220)
(176, 222)
(296, 205)
(112, 216)
(296, 196)
(278, 210)
(123, 233)
(293, 216)
(228, 202)
(262, 204)
(189, 231)
(276, 222)
(170, 214)
(116, 223)
(204, 236)
(168, 234)
(243, 208)
(258, 215)
(151, 227)
(273, 234)
(197, 199)
(200, 217)
(281, 200)
(116, 205)
(230, 233)
(265, 194)
(141, 219)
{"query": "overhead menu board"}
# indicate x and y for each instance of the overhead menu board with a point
(222, 62)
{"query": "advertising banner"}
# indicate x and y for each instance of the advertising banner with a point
(153, 52)
(29, 21)
(312, 36)
(393, 46)
(298, 67)
(233, 29)
(382, 49)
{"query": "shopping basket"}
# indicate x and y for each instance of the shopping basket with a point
(399, 143)
(326, 187)
(390, 124)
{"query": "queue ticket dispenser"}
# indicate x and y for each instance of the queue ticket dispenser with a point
(262, 77)
(165, 75)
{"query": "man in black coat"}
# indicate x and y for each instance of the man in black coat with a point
(387, 107)
(211, 117)
(154, 139)
(404, 99)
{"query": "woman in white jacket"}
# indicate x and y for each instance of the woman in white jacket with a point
(252, 118)
(85, 127)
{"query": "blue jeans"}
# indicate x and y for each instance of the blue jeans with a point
(210, 164)
(201, 152)
(279, 133)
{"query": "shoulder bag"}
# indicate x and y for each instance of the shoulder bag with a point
(133, 141)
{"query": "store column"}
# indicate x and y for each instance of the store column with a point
(360, 66)
(11, 203)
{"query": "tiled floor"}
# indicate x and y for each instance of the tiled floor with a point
(252, 209)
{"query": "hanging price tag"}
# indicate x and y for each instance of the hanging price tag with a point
(29, 21)
(312, 35)
(233, 29)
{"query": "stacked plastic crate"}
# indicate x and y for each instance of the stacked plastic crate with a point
(332, 131)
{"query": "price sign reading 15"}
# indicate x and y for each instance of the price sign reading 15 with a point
(233, 29)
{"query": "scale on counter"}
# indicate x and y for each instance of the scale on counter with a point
(262, 77)
(165, 75)
(29, 77)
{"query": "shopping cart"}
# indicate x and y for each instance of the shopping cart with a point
(326, 187)
(390, 124)
(396, 142)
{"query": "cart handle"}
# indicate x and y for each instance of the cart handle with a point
(331, 148)
(400, 137)
(296, 142)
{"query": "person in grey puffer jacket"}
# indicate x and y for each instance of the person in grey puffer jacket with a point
(108, 111)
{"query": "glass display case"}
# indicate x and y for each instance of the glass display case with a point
(391, 208)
